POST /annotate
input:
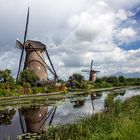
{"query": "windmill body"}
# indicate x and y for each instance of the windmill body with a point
(92, 73)
(92, 76)
(34, 59)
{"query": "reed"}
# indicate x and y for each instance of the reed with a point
(120, 120)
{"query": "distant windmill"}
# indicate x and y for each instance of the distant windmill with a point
(34, 59)
(92, 73)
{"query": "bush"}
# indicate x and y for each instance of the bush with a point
(78, 77)
(28, 76)
(26, 85)
(37, 90)
(6, 93)
(51, 88)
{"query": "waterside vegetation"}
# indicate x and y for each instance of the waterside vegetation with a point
(120, 120)
(28, 84)
(77, 81)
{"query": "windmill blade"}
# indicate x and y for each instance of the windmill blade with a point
(20, 62)
(25, 35)
(52, 116)
(96, 71)
(19, 45)
(85, 71)
(91, 65)
(21, 121)
(51, 64)
(26, 28)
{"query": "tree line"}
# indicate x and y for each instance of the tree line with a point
(28, 83)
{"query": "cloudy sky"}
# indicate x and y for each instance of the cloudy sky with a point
(75, 31)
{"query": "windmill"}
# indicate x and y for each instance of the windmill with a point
(92, 73)
(34, 59)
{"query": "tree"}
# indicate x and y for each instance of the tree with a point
(28, 76)
(5, 76)
(121, 79)
(113, 80)
(6, 80)
(78, 77)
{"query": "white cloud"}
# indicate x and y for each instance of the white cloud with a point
(127, 35)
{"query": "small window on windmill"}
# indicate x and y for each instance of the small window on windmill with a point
(39, 67)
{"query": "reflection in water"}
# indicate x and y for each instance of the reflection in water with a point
(35, 118)
(78, 103)
(94, 96)
(6, 116)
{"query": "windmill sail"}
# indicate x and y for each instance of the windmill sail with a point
(25, 36)
(55, 76)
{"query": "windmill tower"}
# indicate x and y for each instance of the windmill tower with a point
(92, 73)
(34, 59)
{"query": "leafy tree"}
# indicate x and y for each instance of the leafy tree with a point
(5, 76)
(6, 80)
(121, 79)
(111, 79)
(28, 76)
(78, 77)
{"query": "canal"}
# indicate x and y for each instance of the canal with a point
(16, 121)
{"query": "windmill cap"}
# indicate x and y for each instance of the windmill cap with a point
(31, 44)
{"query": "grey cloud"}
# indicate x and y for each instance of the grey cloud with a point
(85, 35)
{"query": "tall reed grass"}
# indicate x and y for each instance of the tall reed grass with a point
(119, 121)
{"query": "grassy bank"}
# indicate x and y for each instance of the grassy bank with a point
(120, 121)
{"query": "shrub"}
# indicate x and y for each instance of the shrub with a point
(37, 90)
(28, 76)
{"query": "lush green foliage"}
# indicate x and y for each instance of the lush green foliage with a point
(113, 81)
(5, 76)
(26, 84)
(78, 77)
(36, 90)
(76, 81)
(28, 76)
(7, 83)
(120, 121)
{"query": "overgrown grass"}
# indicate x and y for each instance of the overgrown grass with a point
(120, 121)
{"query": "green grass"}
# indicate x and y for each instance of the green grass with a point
(120, 121)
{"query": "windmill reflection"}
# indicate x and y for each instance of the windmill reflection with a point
(94, 96)
(33, 119)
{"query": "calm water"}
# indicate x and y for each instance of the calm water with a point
(15, 121)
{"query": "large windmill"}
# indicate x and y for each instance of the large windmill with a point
(34, 59)
(92, 73)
